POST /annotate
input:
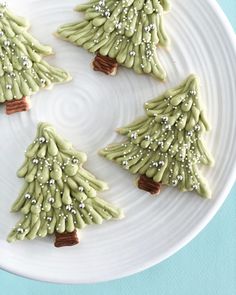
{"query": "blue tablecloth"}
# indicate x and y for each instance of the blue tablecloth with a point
(206, 266)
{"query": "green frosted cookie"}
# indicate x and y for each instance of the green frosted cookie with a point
(59, 195)
(127, 31)
(22, 70)
(166, 146)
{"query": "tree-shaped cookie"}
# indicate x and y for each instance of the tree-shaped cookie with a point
(122, 32)
(59, 195)
(166, 146)
(22, 70)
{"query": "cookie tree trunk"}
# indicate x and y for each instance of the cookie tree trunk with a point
(18, 105)
(66, 239)
(105, 64)
(149, 185)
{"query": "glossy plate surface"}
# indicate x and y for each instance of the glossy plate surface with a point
(87, 110)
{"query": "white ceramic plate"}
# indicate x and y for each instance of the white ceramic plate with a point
(87, 111)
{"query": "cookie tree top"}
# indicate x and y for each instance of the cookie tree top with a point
(167, 146)
(126, 31)
(22, 70)
(59, 195)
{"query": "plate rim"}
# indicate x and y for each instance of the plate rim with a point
(191, 235)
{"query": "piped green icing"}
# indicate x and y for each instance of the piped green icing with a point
(165, 4)
(167, 144)
(22, 70)
(59, 194)
(126, 30)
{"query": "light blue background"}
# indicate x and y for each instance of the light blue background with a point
(206, 266)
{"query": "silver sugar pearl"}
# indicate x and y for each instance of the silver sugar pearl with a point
(118, 26)
(161, 163)
(133, 135)
(180, 177)
(20, 230)
(35, 161)
(165, 119)
(81, 205)
(51, 181)
(81, 189)
(6, 42)
(168, 127)
(42, 139)
(1, 33)
(195, 186)
(27, 196)
(152, 26)
(73, 211)
(197, 128)
(68, 207)
(75, 161)
(26, 64)
(190, 133)
(33, 201)
(193, 92)
(8, 86)
(107, 13)
(174, 182)
(51, 200)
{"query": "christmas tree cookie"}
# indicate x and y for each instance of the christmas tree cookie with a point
(22, 70)
(122, 32)
(59, 195)
(166, 147)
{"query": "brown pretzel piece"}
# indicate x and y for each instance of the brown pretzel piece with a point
(18, 105)
(105, 64)
(66, 239)
(148, 184)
